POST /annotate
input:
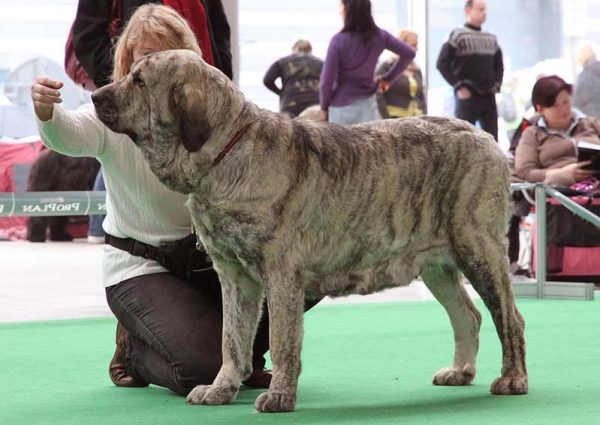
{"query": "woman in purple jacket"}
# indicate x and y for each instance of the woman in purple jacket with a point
(348, 88)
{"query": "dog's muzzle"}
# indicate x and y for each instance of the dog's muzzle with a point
(106, 109)
(105, 105)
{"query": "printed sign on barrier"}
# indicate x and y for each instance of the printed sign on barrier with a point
(27, 204)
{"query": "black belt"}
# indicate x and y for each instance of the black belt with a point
(181, 257)
(133, 246)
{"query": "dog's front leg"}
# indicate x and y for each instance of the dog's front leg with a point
(241, 309)
(286, 307)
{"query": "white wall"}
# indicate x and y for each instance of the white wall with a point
(30, 28)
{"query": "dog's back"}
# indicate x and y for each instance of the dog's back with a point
(393, 189)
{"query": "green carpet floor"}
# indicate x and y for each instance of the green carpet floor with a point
(362, 364)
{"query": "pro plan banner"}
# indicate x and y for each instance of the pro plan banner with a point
(27, 204)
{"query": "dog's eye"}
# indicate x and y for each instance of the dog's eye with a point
(138, 82)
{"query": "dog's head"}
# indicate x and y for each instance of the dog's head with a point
(169, 106)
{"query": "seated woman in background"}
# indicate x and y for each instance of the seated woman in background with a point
(406, 95)
(547, 150)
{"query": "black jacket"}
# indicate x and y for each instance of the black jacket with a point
(94, 48)
(299, 74)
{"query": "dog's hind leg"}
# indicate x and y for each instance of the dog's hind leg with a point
(482, 256)
(285, 299)
(443, 280)
(241, 310)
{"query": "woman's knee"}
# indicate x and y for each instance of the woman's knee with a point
(189, 376)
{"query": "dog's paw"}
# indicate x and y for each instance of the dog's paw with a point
(454, 376)
(209, 394)
(272, 403)
(510, 385)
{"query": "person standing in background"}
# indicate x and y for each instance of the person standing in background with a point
(299, 73)
(471, 62)
(94, 48)
(511, 107)
(406, 95)
(586, 94)
(348, 88)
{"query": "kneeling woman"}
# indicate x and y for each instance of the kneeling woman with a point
(170, 321)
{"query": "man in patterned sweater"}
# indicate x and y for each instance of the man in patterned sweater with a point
(471, 62)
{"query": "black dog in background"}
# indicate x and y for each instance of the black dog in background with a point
(52, 172)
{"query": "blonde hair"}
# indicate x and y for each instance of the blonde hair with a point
(159, 23)
(585, 53)
(302, 46)
(403, 34)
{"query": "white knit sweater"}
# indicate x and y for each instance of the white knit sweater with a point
(138, 205)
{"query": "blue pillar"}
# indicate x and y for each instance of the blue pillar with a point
(402, 17)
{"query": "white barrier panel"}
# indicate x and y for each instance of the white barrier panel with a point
(28, 204)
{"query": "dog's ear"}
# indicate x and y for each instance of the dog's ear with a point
(189, 109)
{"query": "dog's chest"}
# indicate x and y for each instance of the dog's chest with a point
(234, 234)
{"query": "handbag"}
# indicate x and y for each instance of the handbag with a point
(72, 66)
(564, 228)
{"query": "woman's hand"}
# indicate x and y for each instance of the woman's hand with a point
(578, 173)
(382, 85)
(569, 174)
(45, 93)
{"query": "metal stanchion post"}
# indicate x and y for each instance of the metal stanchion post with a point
(539, 288)
(540, 239)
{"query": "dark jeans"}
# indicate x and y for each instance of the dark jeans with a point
(482, 109)
(175, 329)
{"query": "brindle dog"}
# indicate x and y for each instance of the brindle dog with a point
(293, 208)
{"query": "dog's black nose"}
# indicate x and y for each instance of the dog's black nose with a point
(97, 98)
